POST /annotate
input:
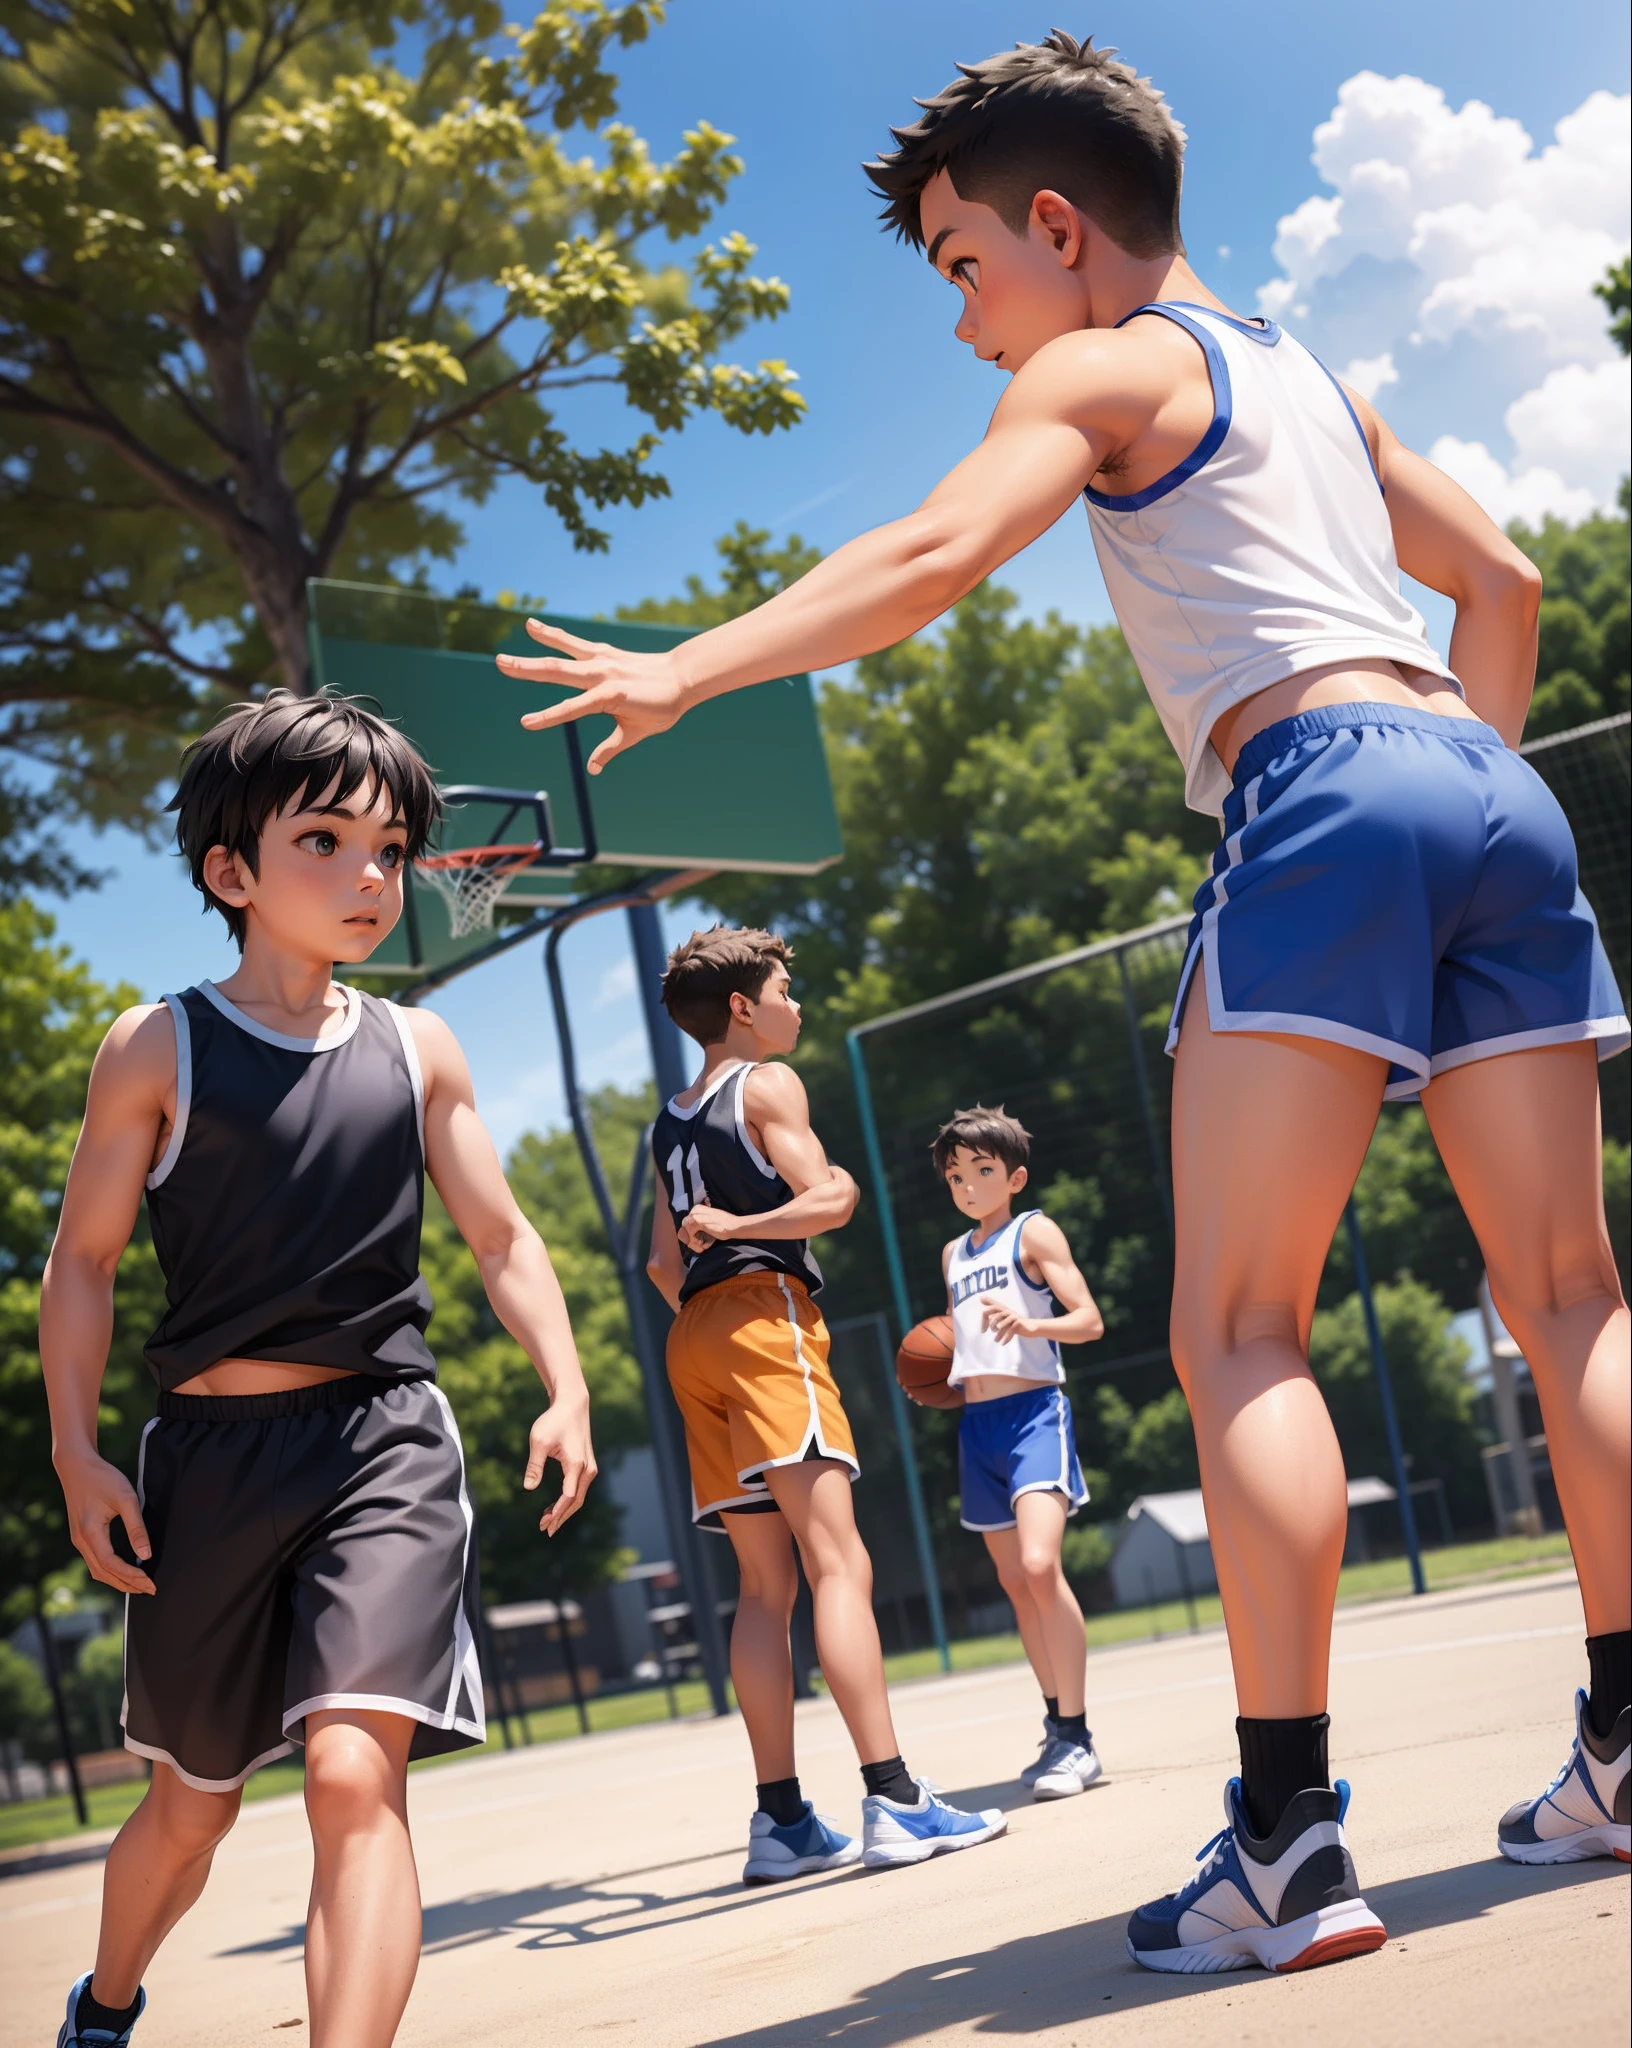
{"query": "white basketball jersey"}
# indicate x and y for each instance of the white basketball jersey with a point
(994, 1269)
(1265, 553)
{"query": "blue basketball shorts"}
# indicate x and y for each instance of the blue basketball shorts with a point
(1400, 882)
(1022, 1443)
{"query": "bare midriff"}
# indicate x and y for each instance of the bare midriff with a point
(1347, 682)
(997, 1386)
(230, 1376)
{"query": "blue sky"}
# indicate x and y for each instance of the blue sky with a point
(1436, 254)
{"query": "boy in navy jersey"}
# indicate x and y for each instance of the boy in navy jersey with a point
(743, 1184)
(300, 1557)
(1393, 910)
(1018, 1475)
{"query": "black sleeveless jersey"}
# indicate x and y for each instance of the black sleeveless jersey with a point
(704, 1154)
(286, 1209)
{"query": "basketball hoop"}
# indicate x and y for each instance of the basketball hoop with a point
(471, 880)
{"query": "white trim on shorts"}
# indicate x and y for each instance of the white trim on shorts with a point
(163, 1756)
(814, 1433)
(1617, 1029)
(385, 1703)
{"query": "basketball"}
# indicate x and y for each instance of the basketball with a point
(923, 1362)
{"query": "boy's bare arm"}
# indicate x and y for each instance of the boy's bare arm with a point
(1444, 539)
(1078, 400)
(824, 1195)
(664, 1266)
(510, 1255)
(1044, 1249)
(132, 1087)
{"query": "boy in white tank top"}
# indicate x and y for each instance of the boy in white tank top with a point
(1018, 1475)
(1393, 910)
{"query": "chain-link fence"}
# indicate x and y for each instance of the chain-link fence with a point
(1074, 1047)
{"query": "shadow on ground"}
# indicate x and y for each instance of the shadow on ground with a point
(1071, 1975)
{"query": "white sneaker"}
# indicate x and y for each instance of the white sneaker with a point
(1284, 1904)
(1039, 1763)
(912, 1834)
(1586, 1810)
(812, 1843)
(1067, 1768)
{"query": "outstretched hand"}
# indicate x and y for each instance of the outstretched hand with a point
(561, 1433)
(641, 693)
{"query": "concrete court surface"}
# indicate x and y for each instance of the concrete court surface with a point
(588, 1891)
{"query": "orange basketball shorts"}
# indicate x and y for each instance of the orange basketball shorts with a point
(747, 1361)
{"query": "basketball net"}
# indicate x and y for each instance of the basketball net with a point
(472, 880)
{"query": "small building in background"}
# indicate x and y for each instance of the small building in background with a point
(1164, 1553)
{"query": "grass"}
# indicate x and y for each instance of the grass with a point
(44, 1820)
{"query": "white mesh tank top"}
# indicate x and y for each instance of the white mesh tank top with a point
(1267, 551)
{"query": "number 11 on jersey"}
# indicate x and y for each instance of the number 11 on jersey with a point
(679, 1201)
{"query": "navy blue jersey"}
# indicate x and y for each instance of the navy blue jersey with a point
(705, 1154)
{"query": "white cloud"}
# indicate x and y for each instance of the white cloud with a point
(1370, 374)
(1449, 242)
(1530, 494)
(616, 985)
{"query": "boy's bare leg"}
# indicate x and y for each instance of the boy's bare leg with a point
(1268, 1135)
(1521, 1140)
(1040, 1523)
(1003, 1547)
(761, 1658)
(363, 1926)
(155, 1871)
(814, 1497)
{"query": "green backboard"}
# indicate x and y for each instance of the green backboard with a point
(740, 784)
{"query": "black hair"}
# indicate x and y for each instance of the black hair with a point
(708, 969)
(992, 1132)
(1058, 116)
(259, 758)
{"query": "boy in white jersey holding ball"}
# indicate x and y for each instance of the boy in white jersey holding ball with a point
(1018, 1476)
(1393, 908)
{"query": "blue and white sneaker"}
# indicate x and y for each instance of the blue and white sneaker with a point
(1067, 1768)
(75, 2036)
(912, 1834)
(1039, 1763)
(812, 1843)
(1285, 1904)
(1587, 1809)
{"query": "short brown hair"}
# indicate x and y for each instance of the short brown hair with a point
(990, 1131)
(711, 967)
(258, 758)
(1058, 116)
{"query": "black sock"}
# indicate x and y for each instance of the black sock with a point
(1072, 1728)
(1280, 1759)
(1051, 1707)
(783, 1801)
(87, 2013)
(1609, 1658)
(890, 1780)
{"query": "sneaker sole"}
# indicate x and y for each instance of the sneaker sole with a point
(938, 1845)
(804, 1866)
(1042, 1789)
(1329, 1935)
(1602, 1841)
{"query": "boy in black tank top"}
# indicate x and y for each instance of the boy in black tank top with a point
(300, 1560)
(743, 1182)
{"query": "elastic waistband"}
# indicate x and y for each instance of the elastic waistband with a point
(1287, 733)
(355, 1387)
(767, 1276)
(1020, 1394)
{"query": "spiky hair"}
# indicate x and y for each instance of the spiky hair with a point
(1058, 116)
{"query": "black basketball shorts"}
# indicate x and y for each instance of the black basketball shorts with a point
(311, 1549)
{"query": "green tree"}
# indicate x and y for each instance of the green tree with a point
(25, 1705)
(280, 284)
(1427, 1367)
(1583, 660)
(52, 1018)
(1615, 289)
